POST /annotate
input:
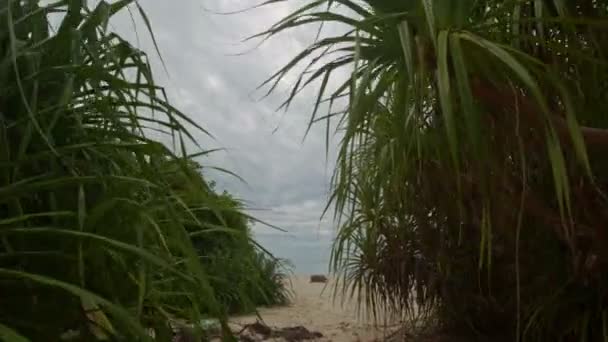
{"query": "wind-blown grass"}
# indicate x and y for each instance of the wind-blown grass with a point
(470, 179)
(96, 234)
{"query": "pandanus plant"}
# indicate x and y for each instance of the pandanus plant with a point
(95, 236)
(471, 179)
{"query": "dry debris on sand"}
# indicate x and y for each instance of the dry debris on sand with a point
(258, 331)
(314, 307)
(313, 315)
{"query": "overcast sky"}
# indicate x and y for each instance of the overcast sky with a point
(212, 76)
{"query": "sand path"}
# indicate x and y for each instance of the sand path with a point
(313, 308)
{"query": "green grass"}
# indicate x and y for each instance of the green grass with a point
(97, 219)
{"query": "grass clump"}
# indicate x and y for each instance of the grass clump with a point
(96, 233)
(243, 274)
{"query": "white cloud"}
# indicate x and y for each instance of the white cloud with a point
(208, 81)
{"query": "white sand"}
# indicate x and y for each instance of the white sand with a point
(313, 308)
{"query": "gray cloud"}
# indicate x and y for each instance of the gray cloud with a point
(287, 180)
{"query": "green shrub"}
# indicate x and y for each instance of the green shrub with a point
(95, 237)
(242, 275)
(470, 182)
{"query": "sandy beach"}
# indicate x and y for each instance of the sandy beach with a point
(314, 308)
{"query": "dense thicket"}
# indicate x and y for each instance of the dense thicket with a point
(243, 274)
(104, 231)
(471, 175)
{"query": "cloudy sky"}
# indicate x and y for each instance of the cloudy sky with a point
(212, 75)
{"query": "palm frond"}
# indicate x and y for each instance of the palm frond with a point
(460, 113)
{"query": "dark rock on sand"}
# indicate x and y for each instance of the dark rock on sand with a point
(318, 278)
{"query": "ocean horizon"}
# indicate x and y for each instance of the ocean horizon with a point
(307, 253)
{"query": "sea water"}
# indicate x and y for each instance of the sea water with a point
(308, 253)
